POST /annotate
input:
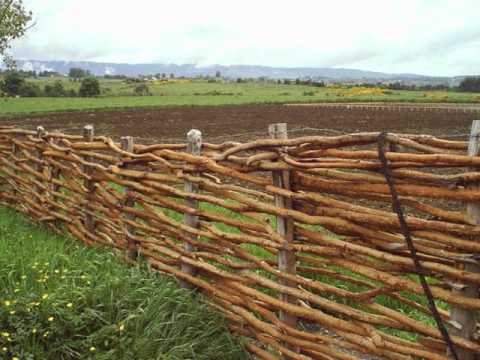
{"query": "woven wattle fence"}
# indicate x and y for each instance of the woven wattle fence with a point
(294, 240)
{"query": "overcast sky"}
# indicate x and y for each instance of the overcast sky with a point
(432, 37)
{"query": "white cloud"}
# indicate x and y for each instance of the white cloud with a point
(437, 37)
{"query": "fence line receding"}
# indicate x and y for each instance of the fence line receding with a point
(293, 239)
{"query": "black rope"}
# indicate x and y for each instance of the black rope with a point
(397, 208)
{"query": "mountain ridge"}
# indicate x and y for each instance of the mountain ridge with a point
(227, 71)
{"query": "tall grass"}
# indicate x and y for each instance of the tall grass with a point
(61, 300)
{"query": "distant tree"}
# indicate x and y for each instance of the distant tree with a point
(48, 73)
(218, 74)
(76, 74)
(172, 76)
(29, 89)
(12, 83)
(14, 21)
(141, 90)
(90, 87)
(470, 84)
(55, 90)
(164, 75)
(318, 84)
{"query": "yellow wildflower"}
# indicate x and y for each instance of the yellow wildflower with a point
(69, 305)
(5, 334)
(121, 327)
(51, 318)
(92, 348)
(7, 303)
(12, 312)
(44, 296)
(34, 331)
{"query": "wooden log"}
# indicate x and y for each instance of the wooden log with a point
(464, 321)
(127, 144)
(194, 147)
(89, 221)
(285, 228)
(15, 152)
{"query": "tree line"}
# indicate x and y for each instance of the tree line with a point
(14, 83)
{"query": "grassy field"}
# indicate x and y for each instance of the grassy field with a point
(118, 94)
(61, 300)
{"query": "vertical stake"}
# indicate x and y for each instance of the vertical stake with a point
(194, 147)
(88, 133)
(38, 166)
(467, 319)
(15, 155)
(285, 227)
(131, 252)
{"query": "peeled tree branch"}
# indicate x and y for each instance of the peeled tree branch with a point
(14, 21)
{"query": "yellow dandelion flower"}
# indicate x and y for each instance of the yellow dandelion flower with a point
(92, 348)
(7, 303)
(24, 277)
(4, 349)
(69, 305)
(46, 334)
(15, 358)
(5, 334)
(56, 271)
(51, 318)
(44, 296)
(16, 290)
(12, 312)
(121, 327)
(34, 331)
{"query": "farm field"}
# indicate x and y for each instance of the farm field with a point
(118, 94)
(61, 300)
(244, 122)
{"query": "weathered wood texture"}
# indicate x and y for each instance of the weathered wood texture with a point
(285, 228)
(316, 242)
(465, 321)
(88, 133)
(194, 147)
(127, 145)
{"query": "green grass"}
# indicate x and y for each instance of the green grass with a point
(117, 94)
(61, 300)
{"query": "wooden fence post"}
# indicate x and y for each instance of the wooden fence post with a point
(194, 146)
(464, 321)
(38, 166)
(131, 251)
(285, 227)
(40, 133)
(15, 154)
(88, 133)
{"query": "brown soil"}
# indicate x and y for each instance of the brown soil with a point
(225, 123)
